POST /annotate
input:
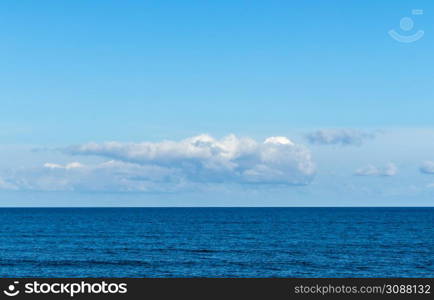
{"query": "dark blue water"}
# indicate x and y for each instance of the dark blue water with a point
(217, 242)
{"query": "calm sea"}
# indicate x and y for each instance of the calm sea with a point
(217, 242)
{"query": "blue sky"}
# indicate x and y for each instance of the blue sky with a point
(131, 72)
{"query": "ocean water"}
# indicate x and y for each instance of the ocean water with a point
(217, 242)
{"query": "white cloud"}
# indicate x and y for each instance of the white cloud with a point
(338, 137)
(389, 170)
(171, 165)
(278, 140)
(427, 167)
(108, 176)
(73, 165)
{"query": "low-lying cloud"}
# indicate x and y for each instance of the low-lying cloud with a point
(342, 137)
(389, 170)
(171, 165)
(111, 175)
(204, 158)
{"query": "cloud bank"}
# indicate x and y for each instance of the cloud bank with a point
(173, 165)
(389, 170)
(107, 176)
(204, 158)
(342, 137)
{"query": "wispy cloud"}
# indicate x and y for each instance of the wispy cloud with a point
(5, 185)
(107, 176)
(427, 167)
(389, 170)
(342, 137)
(73, 165)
